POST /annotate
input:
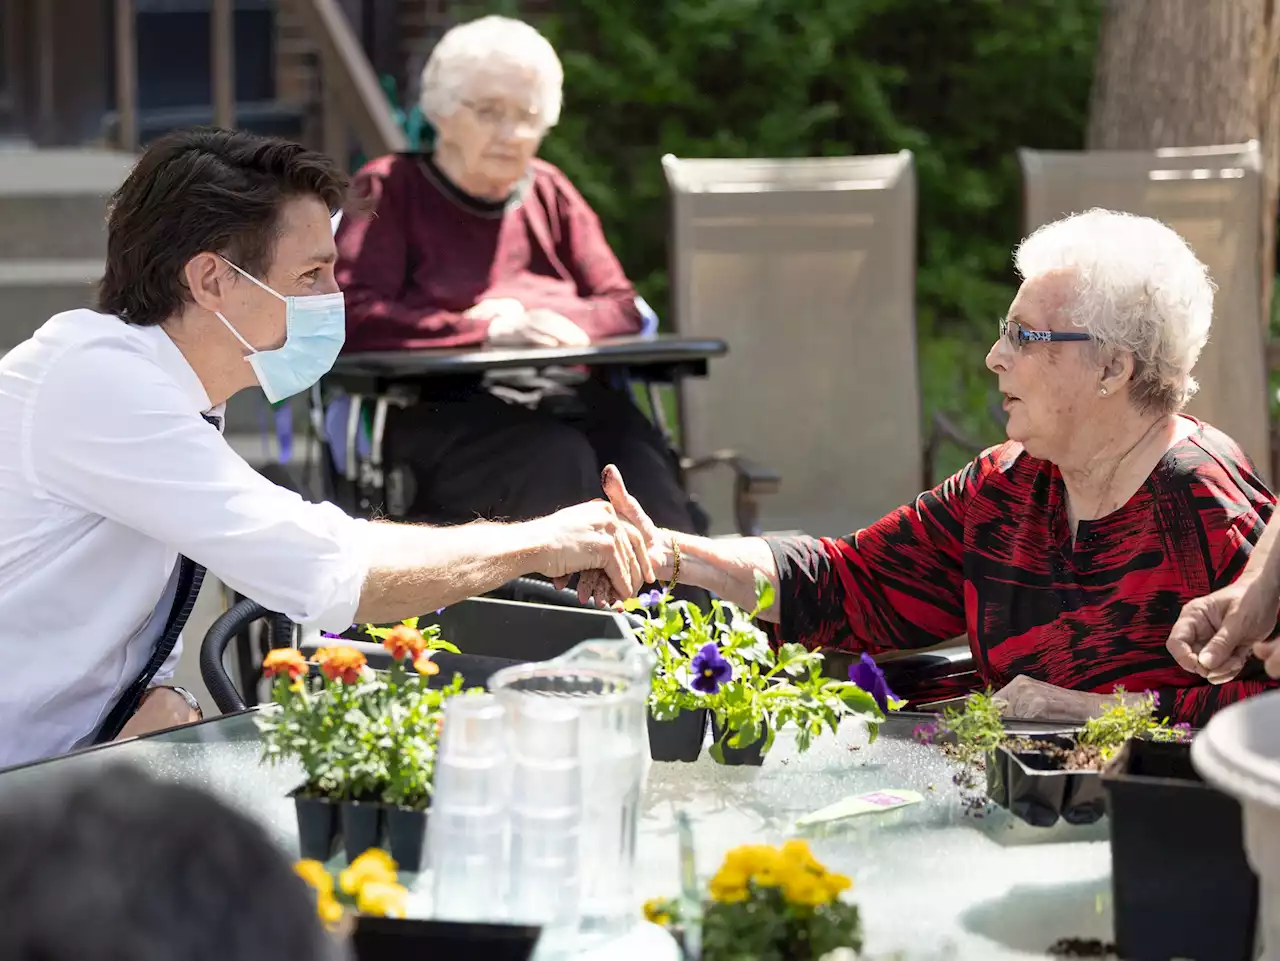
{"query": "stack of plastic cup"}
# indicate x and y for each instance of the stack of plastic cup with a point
(545, 812)
(467, 828)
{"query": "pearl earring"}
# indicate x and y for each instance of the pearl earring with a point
(1103, 392)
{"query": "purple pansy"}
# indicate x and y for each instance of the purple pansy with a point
(709, 670)
(867, 675)
(651, 598)
(925, 733)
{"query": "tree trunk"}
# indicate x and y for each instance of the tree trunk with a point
(1193, 73)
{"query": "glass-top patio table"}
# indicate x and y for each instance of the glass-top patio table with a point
(931, 881)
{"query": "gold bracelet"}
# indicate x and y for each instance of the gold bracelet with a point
(675, 562)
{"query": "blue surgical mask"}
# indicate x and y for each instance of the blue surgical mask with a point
(315, 330)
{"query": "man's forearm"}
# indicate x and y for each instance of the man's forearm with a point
(416, 568)
(725, 567)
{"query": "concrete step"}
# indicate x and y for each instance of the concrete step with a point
(34, 226)
(32, 291)
(53, 203)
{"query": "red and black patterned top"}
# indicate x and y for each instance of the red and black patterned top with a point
(989, 553)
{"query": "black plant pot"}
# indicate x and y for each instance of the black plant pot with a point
(1176, 843)
(317, 826)
(679, 739)
(361, 827)
(394, 939)
(1035, 788)
(407, 837)
(749, 754)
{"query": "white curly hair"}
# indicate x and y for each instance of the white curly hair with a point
(1139, 288)
(484, 42)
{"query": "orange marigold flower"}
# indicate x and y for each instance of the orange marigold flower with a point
(340, 663)
(284, 660)
(425, 666)
(405, 641)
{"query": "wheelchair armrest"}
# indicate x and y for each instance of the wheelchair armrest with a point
(928, 665)
(751, 481)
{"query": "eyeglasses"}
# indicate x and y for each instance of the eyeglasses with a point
(496, 116)
(1015, 335)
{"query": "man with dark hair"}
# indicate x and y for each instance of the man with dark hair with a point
(118, 485)
(114, 866)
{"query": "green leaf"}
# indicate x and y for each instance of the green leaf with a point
(765, 593)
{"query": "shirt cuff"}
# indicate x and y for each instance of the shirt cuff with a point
(348, 584)
(799, 561)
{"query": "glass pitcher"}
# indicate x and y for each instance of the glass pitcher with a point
(608, 682)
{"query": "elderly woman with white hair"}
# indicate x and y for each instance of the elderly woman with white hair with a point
(1065, 553)
(479, 242)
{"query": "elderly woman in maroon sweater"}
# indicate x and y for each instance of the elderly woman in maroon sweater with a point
(482, 243)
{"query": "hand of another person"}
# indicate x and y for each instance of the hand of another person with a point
(497, 310)
(1029, 699)
(591, 537)
(557, 328)
(161, 709)
(1215, 634)
(539, 327)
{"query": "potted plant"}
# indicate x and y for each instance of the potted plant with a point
(1050, 776)
(767, 902)
(1153, 796)
(721, 664)
(366, 906)
(365, 741)
(406, 730)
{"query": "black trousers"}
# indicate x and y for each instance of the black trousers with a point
(463, 453)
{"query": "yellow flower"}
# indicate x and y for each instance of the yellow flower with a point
(806, 888)
(797, 851)
(656, 911)
(314, 873)
(729, 884)
(374, 866)
(329, 909)
(384, 899)
(836, 884)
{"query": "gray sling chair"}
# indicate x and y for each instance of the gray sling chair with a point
(1211, 196)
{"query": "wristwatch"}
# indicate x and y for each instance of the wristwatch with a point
(184, 694)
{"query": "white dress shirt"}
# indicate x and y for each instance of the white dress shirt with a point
(107, 473)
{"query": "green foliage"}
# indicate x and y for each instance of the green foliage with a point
(769, 689)
(962, 85)
(978, 728)
(372, 738)
(1126, 719)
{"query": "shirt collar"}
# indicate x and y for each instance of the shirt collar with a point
(176, 366)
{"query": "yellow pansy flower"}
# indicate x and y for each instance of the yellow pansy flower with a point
(806, 888)
(315, 874)
(656, 911)
(384, 899)
(329, 909)
(837, 883)
(374, 865)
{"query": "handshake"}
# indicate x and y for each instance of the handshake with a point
(612, 542)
